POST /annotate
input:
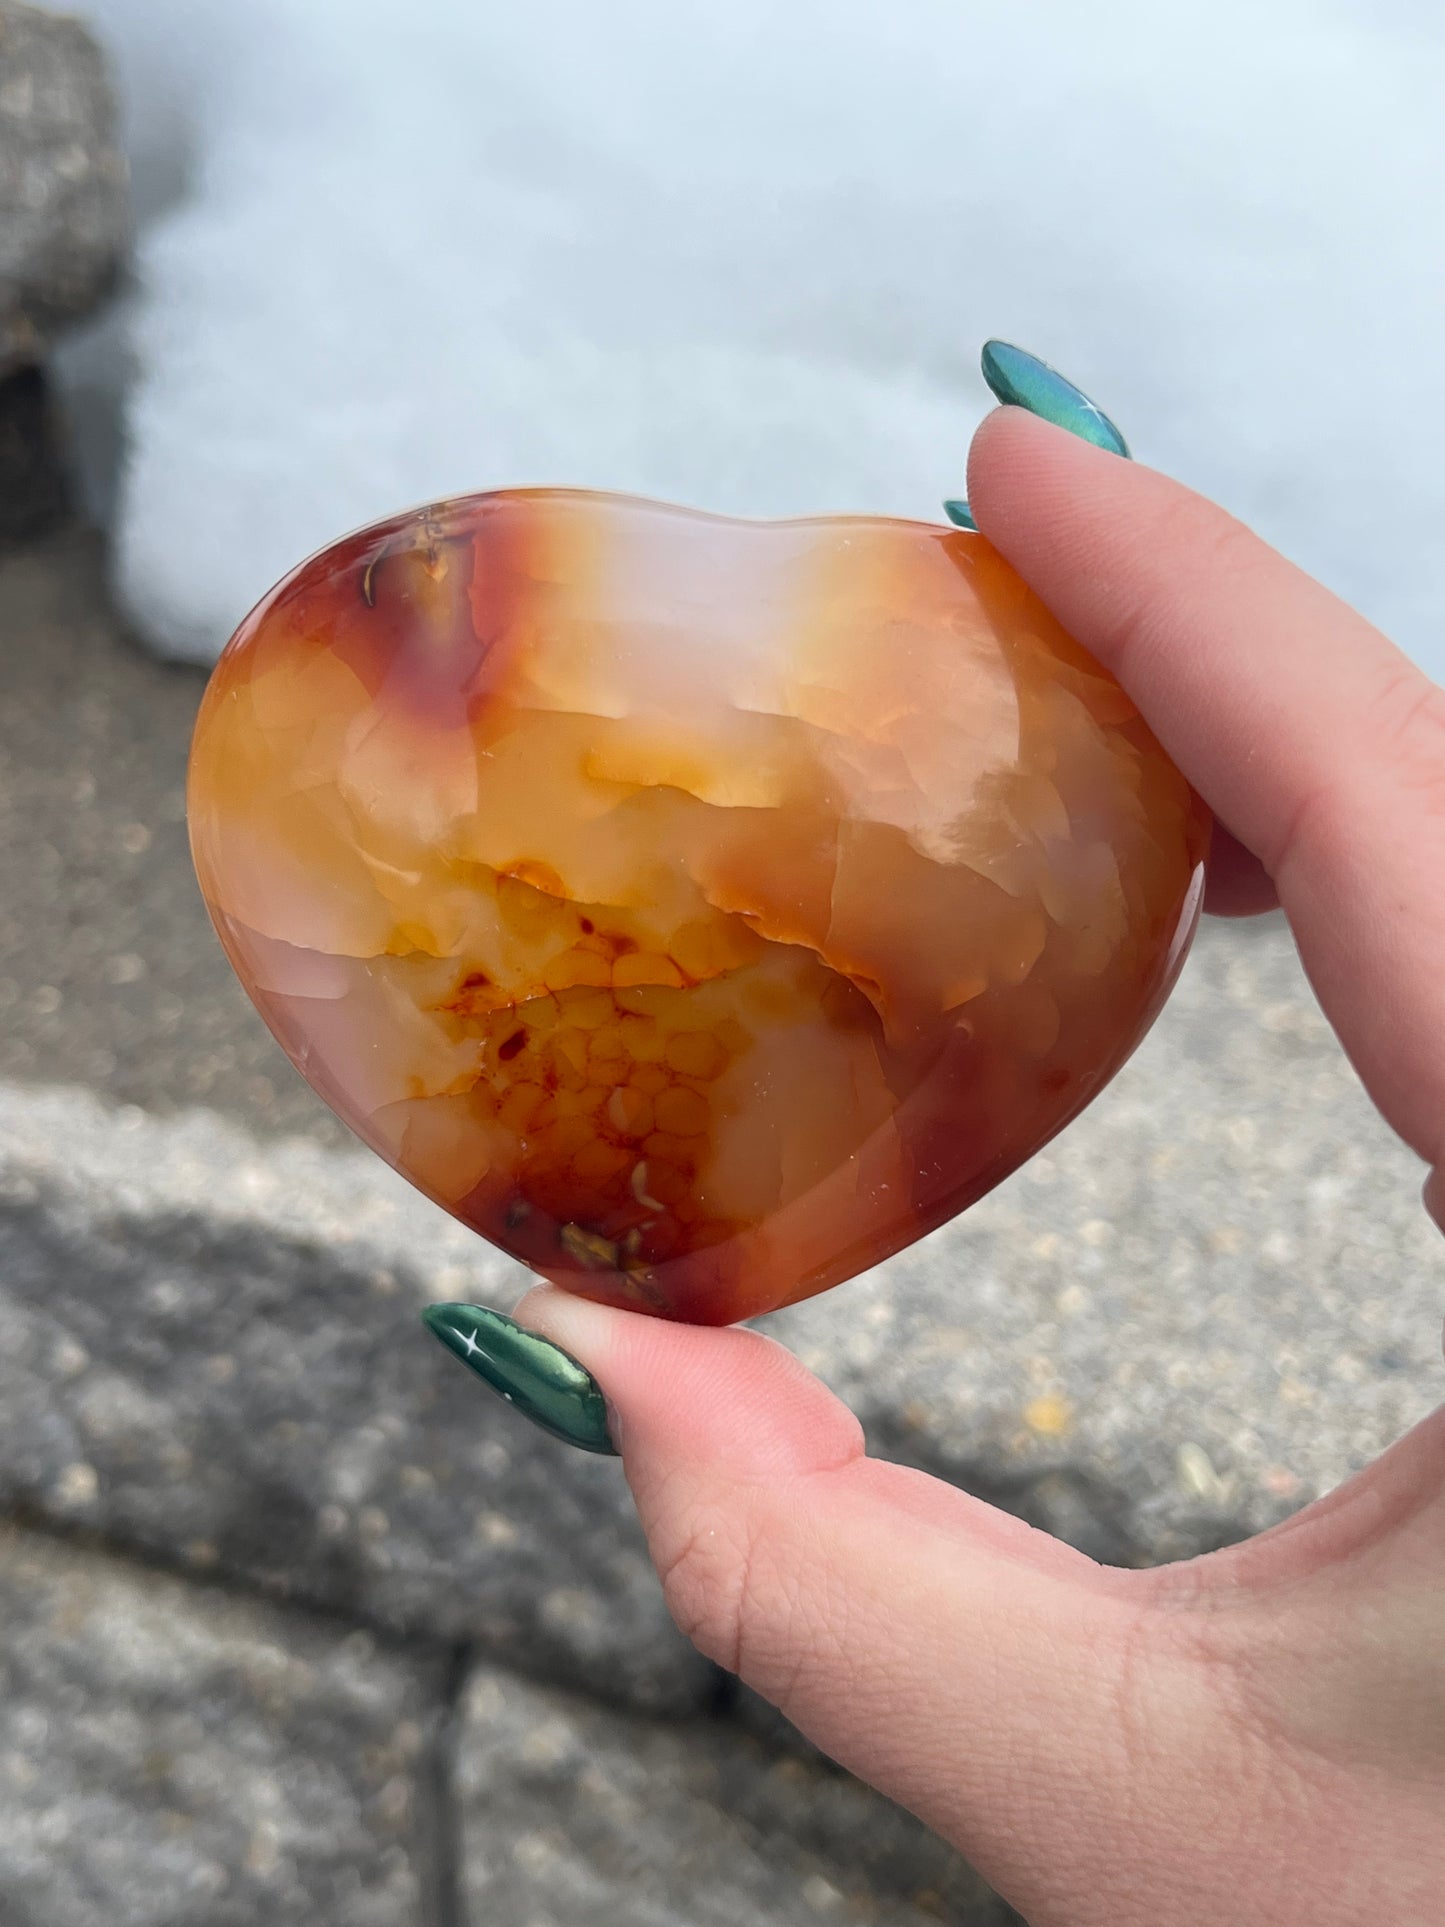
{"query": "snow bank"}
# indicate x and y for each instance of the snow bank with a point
(742, 254)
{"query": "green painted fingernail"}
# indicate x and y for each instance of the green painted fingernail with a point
(546, 1384)
(1023, 381)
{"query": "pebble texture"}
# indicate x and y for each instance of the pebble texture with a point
(210, 1349)
(110, 973)
(64, 205)
(573, 1817)
(169, 1757)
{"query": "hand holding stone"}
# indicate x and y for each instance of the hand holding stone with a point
(1255, 1738)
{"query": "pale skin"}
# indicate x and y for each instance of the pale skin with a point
(1251, 1739)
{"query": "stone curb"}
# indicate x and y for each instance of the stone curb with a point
(209, 1350)
(170, 1755)
(583, 1818)
(64, 183)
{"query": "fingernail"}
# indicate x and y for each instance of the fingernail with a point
(546, 1384)
(1023, 381)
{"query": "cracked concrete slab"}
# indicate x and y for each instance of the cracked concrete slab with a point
(210, 1349)
(577, 1816)
(170, 1756)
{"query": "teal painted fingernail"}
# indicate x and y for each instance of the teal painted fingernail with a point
(1021, 380)
(546, 1384)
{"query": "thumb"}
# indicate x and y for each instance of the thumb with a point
(976, 1670)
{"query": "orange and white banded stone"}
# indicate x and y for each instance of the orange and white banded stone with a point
(699, 909)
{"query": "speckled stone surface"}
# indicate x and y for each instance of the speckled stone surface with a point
(575, 1817)
(170, 1757)
(210, 1349)
(110, 974)
(64, 200)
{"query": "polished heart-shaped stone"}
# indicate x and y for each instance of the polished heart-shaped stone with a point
(699, 909)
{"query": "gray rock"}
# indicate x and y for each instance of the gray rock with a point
(169, 1757)
(64, 210)
(210, 1349)
(573, 1816)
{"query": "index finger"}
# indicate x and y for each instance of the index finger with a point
(1316, 742)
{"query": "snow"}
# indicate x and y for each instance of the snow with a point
(742, 253)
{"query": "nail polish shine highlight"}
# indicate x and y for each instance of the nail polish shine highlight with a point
(546, 1384)
(1021, 380)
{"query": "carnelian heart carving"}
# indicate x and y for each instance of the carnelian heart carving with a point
(701, 910)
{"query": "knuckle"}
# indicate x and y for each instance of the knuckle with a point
(745, 1587)
(706, 1573)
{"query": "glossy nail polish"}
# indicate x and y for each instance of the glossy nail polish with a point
(546, 1384)
(1021, 380)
